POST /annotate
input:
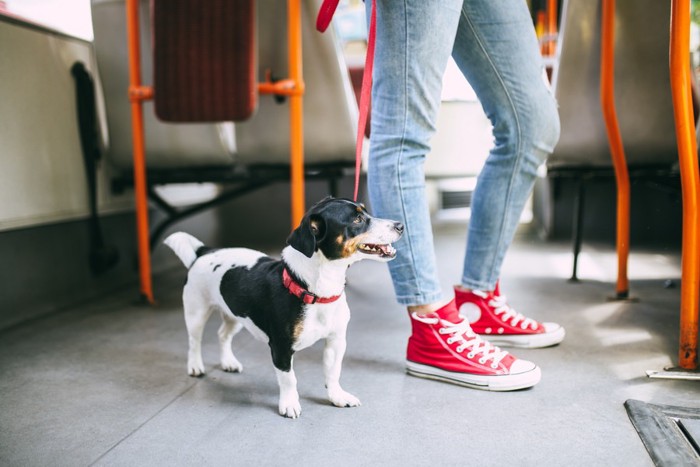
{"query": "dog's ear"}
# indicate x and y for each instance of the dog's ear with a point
(305, 237)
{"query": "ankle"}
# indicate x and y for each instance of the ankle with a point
(422, 310)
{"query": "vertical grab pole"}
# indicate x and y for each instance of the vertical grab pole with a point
(552, 15)
(687, 153)
(136, 95)
(296, 112)
(607, 100)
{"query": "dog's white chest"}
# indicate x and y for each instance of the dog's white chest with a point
(321, 321)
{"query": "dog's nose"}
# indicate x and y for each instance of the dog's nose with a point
(398, 226)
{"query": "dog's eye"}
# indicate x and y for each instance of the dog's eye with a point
(359, 220)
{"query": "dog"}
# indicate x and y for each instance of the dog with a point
(289, 303)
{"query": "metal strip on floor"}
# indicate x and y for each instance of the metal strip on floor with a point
(669, 433)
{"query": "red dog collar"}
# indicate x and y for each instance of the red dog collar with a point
(299, 291)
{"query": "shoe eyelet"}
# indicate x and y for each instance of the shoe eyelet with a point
(482, 361)
(471, 355)
(494, 366)
(450, 340)
(442, 331)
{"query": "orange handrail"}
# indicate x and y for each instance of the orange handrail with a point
(137, 93)
(617, 151)
(296, 112)
(285, 87)
(688, 159)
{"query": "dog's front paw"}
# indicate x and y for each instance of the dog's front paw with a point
(290, 408)
(231, 365)
(195, 369)
(340, 398)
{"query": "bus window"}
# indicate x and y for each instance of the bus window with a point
(70, 17)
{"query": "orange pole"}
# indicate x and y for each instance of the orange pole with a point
(552, 15)
(617, 151)
(296, 114)
(687, 155)
(541, 31)
(136, 94)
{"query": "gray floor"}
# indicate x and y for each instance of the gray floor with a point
(105, 383)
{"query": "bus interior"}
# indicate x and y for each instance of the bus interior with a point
(124, 121)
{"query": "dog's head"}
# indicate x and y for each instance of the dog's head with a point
(343, 229)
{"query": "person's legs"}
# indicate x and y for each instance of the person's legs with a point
(414, 41)
(497, 51)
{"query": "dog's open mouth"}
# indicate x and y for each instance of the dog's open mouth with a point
(385, 250)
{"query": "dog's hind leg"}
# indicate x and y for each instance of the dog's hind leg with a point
(197, 312)
(229, 328)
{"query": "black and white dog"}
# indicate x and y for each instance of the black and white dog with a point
(289, 303)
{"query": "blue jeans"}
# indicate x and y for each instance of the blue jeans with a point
(493, 43)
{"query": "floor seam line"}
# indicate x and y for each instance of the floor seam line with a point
(138, 428)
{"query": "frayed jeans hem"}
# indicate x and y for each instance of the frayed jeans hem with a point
(417, 300)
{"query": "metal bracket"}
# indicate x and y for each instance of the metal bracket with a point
(675, 373)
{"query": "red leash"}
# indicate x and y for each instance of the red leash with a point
(325, 14)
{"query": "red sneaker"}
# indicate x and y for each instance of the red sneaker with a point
(443, 347)
(490, 315)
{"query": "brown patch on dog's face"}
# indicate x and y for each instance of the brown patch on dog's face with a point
(350, 245)
(349, 249)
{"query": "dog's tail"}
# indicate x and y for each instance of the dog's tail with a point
(185, 247)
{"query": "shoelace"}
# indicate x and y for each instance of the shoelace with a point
(462, 333)
(506, 312)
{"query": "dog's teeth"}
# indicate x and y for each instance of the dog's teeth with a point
(383, 249)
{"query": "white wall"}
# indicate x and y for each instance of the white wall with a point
(42, 175)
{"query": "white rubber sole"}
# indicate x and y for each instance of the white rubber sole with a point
(512, 382)
(552, 337)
